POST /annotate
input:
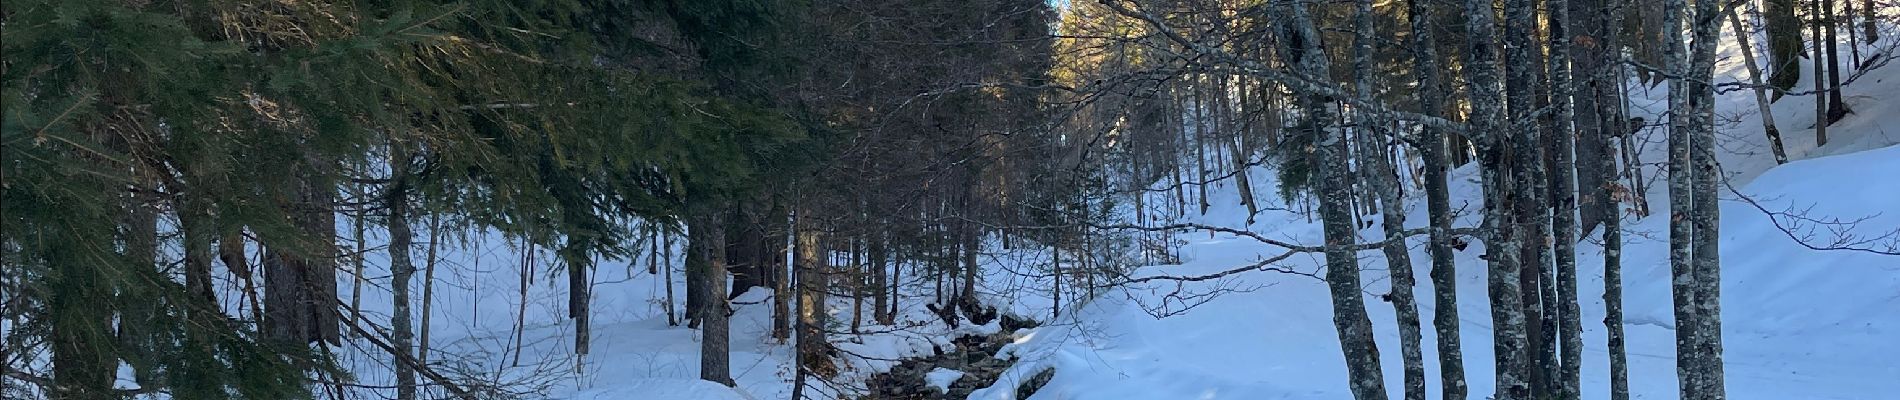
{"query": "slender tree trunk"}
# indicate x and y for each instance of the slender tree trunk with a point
(857, 275)
(1055, 291)
(1614, 126)
(1235, 144)
(881, 280)
(1200, 142)
(1853, 40)
(1364, 375)
(358, 223)
(1681, 202)
(1564, 220)
(1613, 272)
(1532, 207)
(1438, 209)
(666, 250)
(521, 307)
(1820, 73)
(781, 276)
(428, 287)
(1705, 211)
(1836, 107)
(401, 267)
(1761, 94)
(1381, 175)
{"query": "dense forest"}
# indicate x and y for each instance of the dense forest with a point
(252, 199)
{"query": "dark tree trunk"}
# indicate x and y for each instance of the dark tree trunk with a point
(299, 275)
(881, 280)
(1784, 44)
(715, 359)
(1836, 107)
(1590, 53)
(1821, 68)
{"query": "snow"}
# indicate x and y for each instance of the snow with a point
(941, 378)
(663, 389)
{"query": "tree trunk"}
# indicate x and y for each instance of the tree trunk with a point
(1532, 207)
(1364, 375)
(1509, 338)
(401, 268)
(428, 287)
(1820, 73)
(1055, 285)
(781, 279)
(1564, 220)
(1681, 203)
(1438, 209)
(1200, 142)
(880, 278)
(1784, 44)
(1836, 107)
(857, 275)
(715, 359)
(813, 281)
(1613, 288)
(666, 249)
(1381, 175)
(1870, 20)
(299, 275)
(1590, 68)
(1761, 94)
(359, 222)
(1705, 211)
